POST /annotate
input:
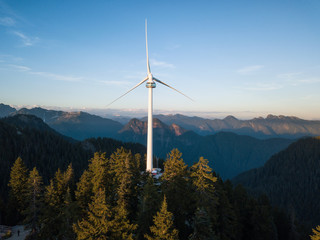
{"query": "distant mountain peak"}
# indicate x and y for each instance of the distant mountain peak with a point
(6, 110)
(281, 117)
(141, 127)
(230, 117)
(23, 121)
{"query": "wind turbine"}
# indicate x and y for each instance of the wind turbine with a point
(150, 84)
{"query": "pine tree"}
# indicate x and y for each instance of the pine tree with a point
(60, 210)
(225, 225)
(128, 188)
(203, 181)
(97, 224)
(122, 228)
(34, 197)
(84, 190)
(18, 184)
(316, 233)
(92, 180)
(163, 228)
(202, 177)
(149, 205)
(202, 226)
(127, 201)
(174, 166)
(176, 185)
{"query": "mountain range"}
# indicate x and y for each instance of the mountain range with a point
(228, 153)
(78, 125)
(269, 127)
(82, 125)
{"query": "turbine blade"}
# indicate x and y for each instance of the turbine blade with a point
(129, 90)
(148, 65)
(157, 80)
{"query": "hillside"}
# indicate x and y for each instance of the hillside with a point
(38, 145)
(290, 179)
(228, 153)
(78, 125)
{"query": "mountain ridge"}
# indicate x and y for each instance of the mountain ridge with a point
(81, 125)
(271, 126)
(290, 179)
(78, 125)
(228, 153)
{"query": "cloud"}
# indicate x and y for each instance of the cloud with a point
(289, 75)
(298, 78)
(249, 69)
(263, 87)
(57, 76)
(7, 22)
(162, 64)
(308, 80)
(26, 40)
(49, 75)
(9, 58)
(20, 68)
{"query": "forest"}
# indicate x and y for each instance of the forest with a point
(115, 199)
(59, 188)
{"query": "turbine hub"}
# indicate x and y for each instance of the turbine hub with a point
(150, 84)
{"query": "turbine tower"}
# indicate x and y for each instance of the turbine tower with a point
(150, 84)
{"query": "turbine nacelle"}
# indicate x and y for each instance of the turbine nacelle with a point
(150, 83)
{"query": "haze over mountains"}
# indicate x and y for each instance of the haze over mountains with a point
(81, 125)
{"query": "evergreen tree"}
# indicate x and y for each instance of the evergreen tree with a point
(225, 225)
(202, 177)
(149, 205)
(176, 185)
(316, 233)
(60, 211)
(262, 223)
(126, 198)
(203, 181)
(97, 224)
(163, 228)
(122, 229)
(18, 184)
(34, 197)
(202, 226)
(69, 216)
(128, 188)
(174, 166)
(92, 180)
(84, 190)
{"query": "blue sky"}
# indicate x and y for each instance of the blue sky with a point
(245, 58)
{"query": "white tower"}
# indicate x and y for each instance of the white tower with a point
(150, 84)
